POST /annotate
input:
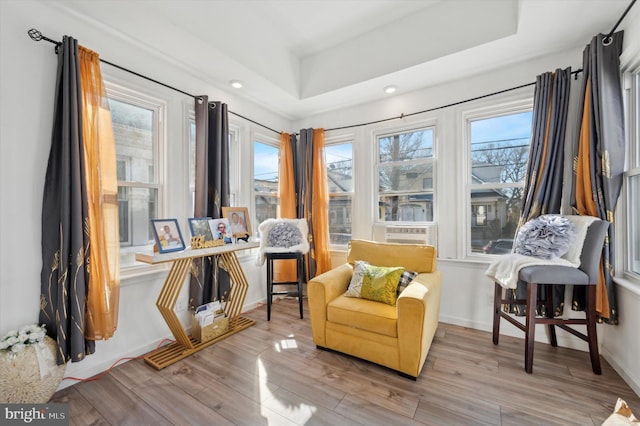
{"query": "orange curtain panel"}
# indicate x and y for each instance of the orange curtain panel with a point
(102, 201)
(319, 206)
(285, 270)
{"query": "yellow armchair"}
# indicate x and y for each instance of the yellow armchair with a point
(397, 337)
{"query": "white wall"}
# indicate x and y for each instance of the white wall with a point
(467, 293)
(27, 81)
(27, 77)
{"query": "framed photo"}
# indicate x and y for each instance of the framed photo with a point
(168, 235)
(238, 221)
(200, 226)
(220, 230)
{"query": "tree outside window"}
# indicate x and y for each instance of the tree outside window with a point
(406, 166)
(499, 148)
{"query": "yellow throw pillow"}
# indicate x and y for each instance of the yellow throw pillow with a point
(377, 283)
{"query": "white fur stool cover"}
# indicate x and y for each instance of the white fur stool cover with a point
(282, 236)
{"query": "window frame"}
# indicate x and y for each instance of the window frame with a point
(343, 140)
(135, 96)
(504, 107)
(624, 227)
(416, 126)
(269, 141)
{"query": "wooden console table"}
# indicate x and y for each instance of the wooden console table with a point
(186, 345)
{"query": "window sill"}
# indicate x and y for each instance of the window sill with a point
(138, 274)
(628, 284)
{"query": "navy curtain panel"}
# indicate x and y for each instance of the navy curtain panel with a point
(65, 238)
(542, 192)
(312, 197)
(302, 166)
(599, 157)
(208, 281)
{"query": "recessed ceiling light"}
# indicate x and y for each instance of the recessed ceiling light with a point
(390, 89)
(236, 84)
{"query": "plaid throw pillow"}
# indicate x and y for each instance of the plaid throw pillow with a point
(405, 279)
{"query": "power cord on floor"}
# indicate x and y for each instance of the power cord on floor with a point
(116, 363)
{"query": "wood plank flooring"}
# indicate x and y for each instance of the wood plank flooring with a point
(272, 374)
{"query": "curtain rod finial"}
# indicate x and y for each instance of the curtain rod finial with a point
(35, 34)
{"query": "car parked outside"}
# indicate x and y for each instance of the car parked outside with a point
(499, 246)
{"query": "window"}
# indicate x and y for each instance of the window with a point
(339, 163)
(632, 182)
(265, 181)
(137, 135)
(498, 151)
(405, 172)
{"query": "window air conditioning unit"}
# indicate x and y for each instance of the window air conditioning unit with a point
(406, 234)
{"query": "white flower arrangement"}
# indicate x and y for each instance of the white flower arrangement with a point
(15, 341)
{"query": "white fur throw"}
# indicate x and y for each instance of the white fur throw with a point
(282, 236)
(582, 223)
(505, 269)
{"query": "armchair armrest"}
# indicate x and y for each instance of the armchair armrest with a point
(320, 291)
(418, 309)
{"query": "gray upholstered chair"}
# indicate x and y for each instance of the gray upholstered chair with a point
(586, 274)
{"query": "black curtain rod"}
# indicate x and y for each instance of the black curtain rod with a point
(37, 36)
(401, 116)
(607, 39)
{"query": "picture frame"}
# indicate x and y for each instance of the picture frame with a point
(167, 235)
(199, 226)
(220, 230)
(239, 222)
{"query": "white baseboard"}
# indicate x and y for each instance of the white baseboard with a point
(633, 382)
(565, 340)
(85, 369)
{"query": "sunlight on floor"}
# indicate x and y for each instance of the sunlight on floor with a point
(286, 344)
(292, 410)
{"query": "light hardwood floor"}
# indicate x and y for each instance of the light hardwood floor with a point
(272, 374)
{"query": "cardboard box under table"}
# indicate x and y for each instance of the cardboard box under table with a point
(205, 333)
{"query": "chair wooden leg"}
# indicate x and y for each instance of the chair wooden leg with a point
(530, 326)
(497, 306)
(592, 336)
(300, 273)
(269, 287)
(550, 312)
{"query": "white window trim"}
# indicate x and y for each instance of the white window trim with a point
(487, 109)
(263, 138)
(631, 82)
(159, 107)
(340, 139)
(425, 124)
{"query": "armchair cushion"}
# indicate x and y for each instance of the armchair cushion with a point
(364, 315)
(413, 257)
(377, 283)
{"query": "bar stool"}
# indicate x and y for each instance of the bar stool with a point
(300, 269)
(284, 239)
(585, 275)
